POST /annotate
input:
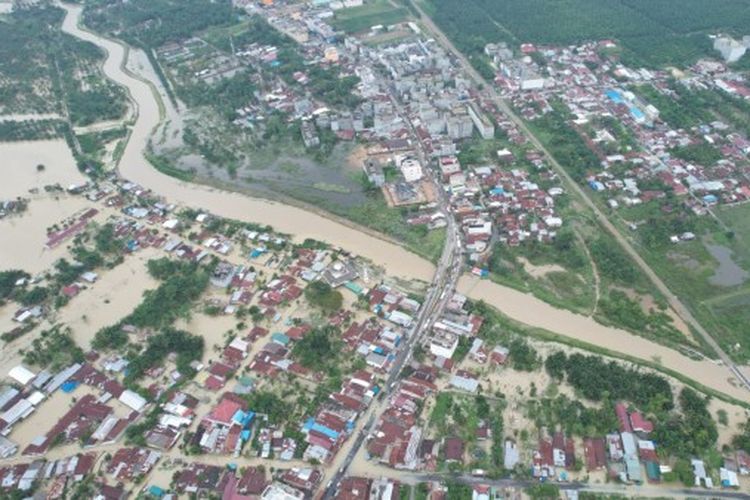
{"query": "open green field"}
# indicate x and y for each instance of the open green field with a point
(653, 32)
(738, 220)
(358, 19)
(731, 310)
(693, 273)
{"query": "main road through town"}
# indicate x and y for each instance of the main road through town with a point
(444, 283)
(130, 69)
(677, 305)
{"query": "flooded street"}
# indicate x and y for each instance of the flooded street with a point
(397, 261)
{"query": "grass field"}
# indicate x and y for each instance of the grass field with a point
(738, 220)
(687, 269)
(356, 19)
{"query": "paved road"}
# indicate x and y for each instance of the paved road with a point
(602, 489)
(444, 282)
(673, 300)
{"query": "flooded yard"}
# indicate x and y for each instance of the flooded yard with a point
(290, 173)
(114, 295)
(22, 170)
(729, 273)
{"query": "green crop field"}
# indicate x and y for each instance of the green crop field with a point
(653, 32)
(358, 19)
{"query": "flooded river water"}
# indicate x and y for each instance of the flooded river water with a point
(395, 259)
(296, 221)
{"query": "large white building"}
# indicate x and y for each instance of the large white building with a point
(280, 491)
(411, 169)
(484, 126)
(731, 50)
(460, 126)
(443, 344)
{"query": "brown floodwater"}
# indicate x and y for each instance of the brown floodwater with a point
(288, 219)
(396, 260)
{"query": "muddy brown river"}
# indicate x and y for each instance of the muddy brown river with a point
(151, 108)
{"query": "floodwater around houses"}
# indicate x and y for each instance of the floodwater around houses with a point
(284, 218)
(398, 262)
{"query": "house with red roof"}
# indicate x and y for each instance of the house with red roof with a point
(623, 418)
(640, 424)
(594, 450)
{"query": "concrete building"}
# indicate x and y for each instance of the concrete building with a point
(374, 172)
(730, 49)
(443, 344)
(484, 126)
(309, 135)
(280, 491)
(411, 169)
(460, 126)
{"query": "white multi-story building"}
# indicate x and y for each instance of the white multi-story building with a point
(411, 169)
(443, 344)
(484, 126)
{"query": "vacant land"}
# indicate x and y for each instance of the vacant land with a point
(651, 32)
(731, 310)
(363, 18)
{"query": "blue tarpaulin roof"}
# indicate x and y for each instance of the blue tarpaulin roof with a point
(69, 386)
(637, 113)
(280, 338)
(312, 425)
(353, 287)
(243, 418)
(156, 491)
(615, 96)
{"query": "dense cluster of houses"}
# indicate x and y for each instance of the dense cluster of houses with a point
(211, 414)
(92, 420)
(397, 438)
(642, 166)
